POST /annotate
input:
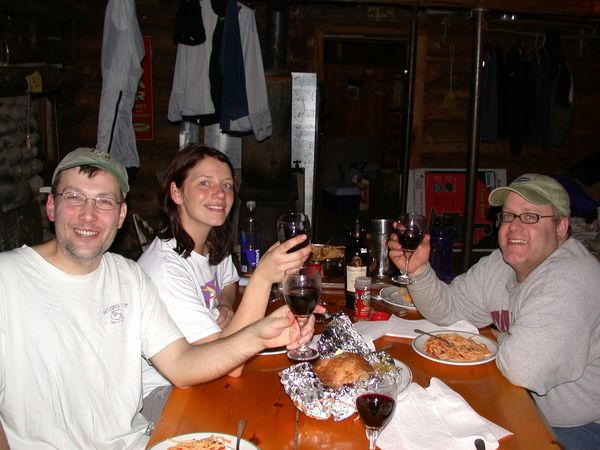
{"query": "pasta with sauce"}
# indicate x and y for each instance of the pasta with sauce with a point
(209, 443)
(465, 349)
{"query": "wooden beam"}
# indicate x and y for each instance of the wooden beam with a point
(13, 80)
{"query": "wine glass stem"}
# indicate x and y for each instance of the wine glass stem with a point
(407, 256)
(372, 435)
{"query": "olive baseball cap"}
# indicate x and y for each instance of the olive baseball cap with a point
(91, 157)
(537, 189)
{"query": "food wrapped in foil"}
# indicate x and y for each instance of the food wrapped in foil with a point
(315, 399)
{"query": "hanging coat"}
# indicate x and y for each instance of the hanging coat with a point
(193, 94)
(122, 54)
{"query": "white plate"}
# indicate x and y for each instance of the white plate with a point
(164, 445)
(405, 375)
(418, 345)
(392, 295)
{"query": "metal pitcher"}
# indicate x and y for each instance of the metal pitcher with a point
(378, 236)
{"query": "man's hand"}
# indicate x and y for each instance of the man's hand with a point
(280, 328)
(277, 260)
(419, 258)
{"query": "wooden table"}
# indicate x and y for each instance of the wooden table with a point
(271, 416)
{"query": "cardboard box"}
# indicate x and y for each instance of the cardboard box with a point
(436, 192)
(342, 200)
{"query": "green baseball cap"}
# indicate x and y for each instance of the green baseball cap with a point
(537, 189)
(91, 157)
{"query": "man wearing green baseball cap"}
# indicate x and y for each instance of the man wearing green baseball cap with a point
(541, 291)
(75, 321)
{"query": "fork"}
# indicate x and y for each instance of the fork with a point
(450, 344)
(240, 430)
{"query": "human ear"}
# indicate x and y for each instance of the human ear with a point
(50, 207)
(175, 193)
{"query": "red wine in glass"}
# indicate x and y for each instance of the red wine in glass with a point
(291, 225)
(410, 239)
(375, 410)
(302, 301)
(376, 407)
(410, 230)
(301, 291)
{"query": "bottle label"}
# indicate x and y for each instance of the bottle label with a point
(351, 274)
(362, 303)
(249, 253)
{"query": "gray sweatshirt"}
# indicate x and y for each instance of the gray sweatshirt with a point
(550, 324)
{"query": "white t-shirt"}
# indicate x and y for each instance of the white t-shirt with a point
(70, 346)
(190, 288)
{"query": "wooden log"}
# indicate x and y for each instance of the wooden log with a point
(13, 81)
(35, 183)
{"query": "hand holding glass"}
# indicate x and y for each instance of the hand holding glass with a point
(293, 224)
(410, 231)
(302, 290)
(376, 407)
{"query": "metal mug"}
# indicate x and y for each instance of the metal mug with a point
(378, 236)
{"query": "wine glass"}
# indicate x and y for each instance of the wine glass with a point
(410, 231)
(376, 407)
(301, 291)
(293, 224)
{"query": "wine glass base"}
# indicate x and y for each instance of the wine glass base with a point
(403, 280)
(307, 355)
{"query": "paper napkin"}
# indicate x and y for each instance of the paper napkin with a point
(437, 417)
(396, 326)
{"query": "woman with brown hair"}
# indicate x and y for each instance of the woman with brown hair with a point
(190, 259)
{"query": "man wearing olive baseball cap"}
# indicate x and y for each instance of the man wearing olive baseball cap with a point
(76, 321)
(94, 158)
(541, 291)
(537, 189)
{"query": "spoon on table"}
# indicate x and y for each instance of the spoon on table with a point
(240, 430)
(450, 344)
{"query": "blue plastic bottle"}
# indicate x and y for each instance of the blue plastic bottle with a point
(440, 256)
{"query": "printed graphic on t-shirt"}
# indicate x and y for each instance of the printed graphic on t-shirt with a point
(115, 313)
(212, 293)
(501, 319)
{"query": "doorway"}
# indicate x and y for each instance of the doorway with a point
(361, 125)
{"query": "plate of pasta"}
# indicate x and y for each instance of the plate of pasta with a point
(468, 349)
(203, 441)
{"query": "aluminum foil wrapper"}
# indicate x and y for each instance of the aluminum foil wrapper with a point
(322, 402)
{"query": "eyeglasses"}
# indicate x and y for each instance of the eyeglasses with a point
(528, 218)
(78, 199)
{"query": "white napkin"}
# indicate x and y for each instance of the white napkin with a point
(406, 328)
(395, 326)
(437, 417)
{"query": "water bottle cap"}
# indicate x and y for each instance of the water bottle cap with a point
(250, 204)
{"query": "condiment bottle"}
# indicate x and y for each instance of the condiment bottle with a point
(357, 258)
(362, 296)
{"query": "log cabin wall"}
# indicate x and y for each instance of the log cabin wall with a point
(439, 135)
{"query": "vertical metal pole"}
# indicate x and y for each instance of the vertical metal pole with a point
(473, 152)
(412, 57)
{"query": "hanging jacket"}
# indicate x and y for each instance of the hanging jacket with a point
(193, 95)
(122, 54)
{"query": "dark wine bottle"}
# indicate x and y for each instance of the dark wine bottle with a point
(357, 258)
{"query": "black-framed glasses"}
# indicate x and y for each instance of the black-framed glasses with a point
(527, 217)
(79, 199)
